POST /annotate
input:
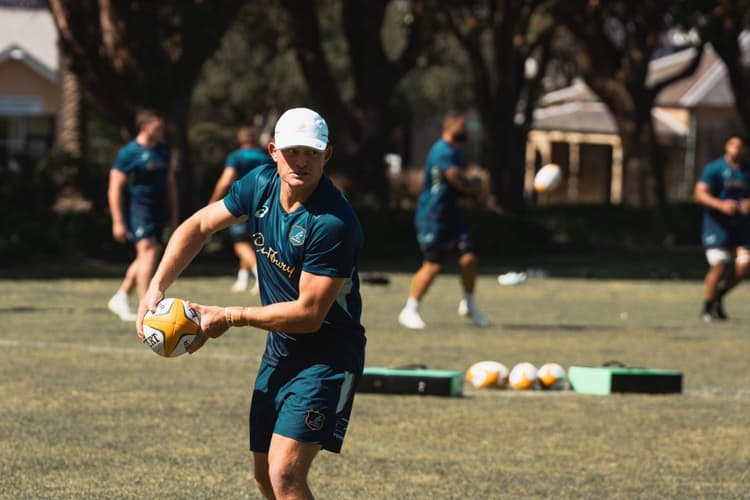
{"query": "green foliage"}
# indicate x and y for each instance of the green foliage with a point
(253, 72)
(441, 81)
(210, 143)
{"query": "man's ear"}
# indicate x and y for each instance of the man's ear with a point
(271, 148)
(328, 153)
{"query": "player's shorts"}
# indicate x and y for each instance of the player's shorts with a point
(719, 236)
(240, 232)
(144, 222)
(437, 240)
(311, 405)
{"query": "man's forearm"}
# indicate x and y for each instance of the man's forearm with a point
(288, 317)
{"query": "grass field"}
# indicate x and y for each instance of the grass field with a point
(87, 411)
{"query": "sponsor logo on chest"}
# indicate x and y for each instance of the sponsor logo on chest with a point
(272, 254)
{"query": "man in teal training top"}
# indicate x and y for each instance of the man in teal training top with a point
(307, 240)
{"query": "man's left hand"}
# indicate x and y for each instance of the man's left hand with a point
(213, 324)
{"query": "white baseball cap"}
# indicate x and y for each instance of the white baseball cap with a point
(301, 127)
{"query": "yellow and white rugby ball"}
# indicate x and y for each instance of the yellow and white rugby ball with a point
(552, 376)
(523, 376)
(486, 374)
(170, 330)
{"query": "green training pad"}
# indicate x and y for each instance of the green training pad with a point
(604, 380)
(412, 381)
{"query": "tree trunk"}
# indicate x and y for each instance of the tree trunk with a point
(505, 161)
(727, 20)
(70, 126)
(656, 159)
(367, 170)
(643, 162)
(177, 127)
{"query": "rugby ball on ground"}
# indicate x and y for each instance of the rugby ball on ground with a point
(548, 178)
(523, 376)
(486, 374)
(552, 376)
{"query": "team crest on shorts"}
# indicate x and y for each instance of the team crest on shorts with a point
(297, 235)
(314, 420)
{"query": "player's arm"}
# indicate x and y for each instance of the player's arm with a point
(304, 315)
(117, 182)
(183, 246)
(461, 182)
(702, 195)
(221, 188)
(317, 294)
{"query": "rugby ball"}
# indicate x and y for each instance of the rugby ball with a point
(548, 178)
(170, 329)
(552, 376)
(523, 376)
(486, 374)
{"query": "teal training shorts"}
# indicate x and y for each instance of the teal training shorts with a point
(310, 404)
(144, 222)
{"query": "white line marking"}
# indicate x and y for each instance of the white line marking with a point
(98, 349)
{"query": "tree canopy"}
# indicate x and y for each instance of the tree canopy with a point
(372, 67)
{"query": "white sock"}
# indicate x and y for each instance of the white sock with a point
(242, 275)
(412, 304)
(255, 272)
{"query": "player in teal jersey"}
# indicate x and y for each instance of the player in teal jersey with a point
(238, 163)
(440, 224)
(307, 240)
(142, 200)
(724, 192)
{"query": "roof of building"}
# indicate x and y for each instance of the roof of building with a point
(594, 117)
(30, 36)
(577, 108)
(707, 87)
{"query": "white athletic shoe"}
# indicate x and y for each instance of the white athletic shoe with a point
(471, 312)
(119, 305)
(239, 286)
(411, 319)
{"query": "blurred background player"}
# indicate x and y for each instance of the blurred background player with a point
(238, 163)
(724, 191)
(141, 194)
(440, 223)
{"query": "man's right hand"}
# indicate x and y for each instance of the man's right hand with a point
(119, 232)
(728, 207)
(148, 303)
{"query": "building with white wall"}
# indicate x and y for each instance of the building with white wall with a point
(30, 96)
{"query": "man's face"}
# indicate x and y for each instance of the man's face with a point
(299, 166)
(154, 130)
(457, 130)
(734, 148)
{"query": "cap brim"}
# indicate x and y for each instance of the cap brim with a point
(300, 140)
